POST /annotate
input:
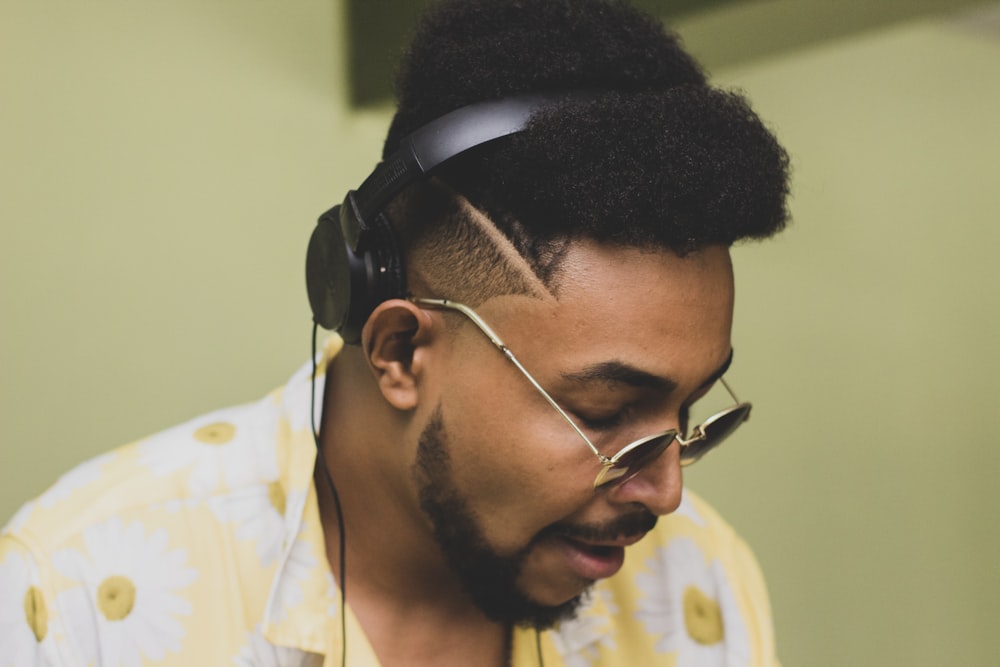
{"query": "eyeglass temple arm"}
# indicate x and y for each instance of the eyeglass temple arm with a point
(500, 345)
(729, 389)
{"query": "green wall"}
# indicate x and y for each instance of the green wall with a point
(161, 167)
(867, 336)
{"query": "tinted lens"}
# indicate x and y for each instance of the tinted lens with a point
(634, 457)
(715, 429)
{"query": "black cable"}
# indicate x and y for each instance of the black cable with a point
(336, 503)
(340, 517)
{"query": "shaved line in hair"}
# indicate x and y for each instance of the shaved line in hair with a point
(513, 260)
(453, 250)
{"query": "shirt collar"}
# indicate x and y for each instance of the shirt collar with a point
(303, 606)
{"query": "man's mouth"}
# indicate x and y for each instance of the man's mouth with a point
(595, 560)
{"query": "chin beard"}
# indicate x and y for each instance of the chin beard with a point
(489, 578)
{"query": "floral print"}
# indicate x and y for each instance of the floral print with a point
(202, 545)
(689, 606)
(130, 585)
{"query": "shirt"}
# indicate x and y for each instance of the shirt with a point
(202, 545)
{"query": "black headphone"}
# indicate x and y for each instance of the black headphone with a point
(353, 262)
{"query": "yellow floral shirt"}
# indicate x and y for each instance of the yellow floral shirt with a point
(202, 545)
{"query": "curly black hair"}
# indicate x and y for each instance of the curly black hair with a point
(658, 158)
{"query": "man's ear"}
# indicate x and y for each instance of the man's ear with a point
(394, 339)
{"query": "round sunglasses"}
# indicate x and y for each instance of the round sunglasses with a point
(633, 457)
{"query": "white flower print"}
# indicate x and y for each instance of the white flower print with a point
(686, 509)
(233, 445)
(296, 569)
(129, 587)
(24, 615)
(259, 515)
(579, 638)
(332, 596)
(176, 505)
(690, 606)
(258, 652)
(19, 518)
(77, 478)
(295, 398)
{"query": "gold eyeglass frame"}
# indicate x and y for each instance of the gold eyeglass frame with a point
(611, 471)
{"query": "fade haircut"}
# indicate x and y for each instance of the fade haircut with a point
(656, 159)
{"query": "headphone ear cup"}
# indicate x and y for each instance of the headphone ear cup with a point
(328, 272)
(376, 275)
(345, 286)
(387, 264)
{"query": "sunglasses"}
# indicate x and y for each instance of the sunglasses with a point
(631, 458)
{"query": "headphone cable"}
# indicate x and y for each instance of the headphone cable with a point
(340, 516)
(336, 503)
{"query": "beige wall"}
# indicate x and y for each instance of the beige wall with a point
(161, 168)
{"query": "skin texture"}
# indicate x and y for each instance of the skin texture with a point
(521, 473)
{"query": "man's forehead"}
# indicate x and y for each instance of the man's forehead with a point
(630, 317)
(595, 275)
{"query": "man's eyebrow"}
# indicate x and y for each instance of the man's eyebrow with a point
(618, 372)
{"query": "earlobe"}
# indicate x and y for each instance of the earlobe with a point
(394, 338)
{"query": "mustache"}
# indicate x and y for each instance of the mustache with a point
(628, 525)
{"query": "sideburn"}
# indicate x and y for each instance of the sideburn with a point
(488, 578)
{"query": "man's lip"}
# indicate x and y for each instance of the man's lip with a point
(621, 542)
(595, 559)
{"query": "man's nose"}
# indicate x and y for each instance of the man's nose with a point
(657, 486)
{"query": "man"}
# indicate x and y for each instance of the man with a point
(501, 437)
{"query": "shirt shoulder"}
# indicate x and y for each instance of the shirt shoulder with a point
(190, 519)
(24, 612)
(125, 556)
(215, 454)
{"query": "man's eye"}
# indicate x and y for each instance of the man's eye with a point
(602, 423)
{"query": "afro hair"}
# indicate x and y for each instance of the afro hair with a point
(656, 158)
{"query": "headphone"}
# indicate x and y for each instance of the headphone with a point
(354, 262)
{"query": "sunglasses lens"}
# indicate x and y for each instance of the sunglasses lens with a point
(636, 458)
(715, 430)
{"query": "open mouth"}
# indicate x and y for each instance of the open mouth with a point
(592, 561)
(597, 550)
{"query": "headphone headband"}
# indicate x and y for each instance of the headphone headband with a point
(443, 138)
(353, 263)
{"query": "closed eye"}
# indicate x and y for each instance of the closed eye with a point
(602, 423)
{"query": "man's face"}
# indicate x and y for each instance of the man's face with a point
(630, 341)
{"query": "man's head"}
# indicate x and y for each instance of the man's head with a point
(634, 338)
(595, 243)
(656, 159)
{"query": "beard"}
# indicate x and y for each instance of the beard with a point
(488, 577)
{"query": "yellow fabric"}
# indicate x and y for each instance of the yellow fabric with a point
(202, 545)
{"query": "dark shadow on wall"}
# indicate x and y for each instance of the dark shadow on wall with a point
(379, 30)
(719, 33)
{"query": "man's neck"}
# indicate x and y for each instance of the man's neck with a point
(405, 596)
